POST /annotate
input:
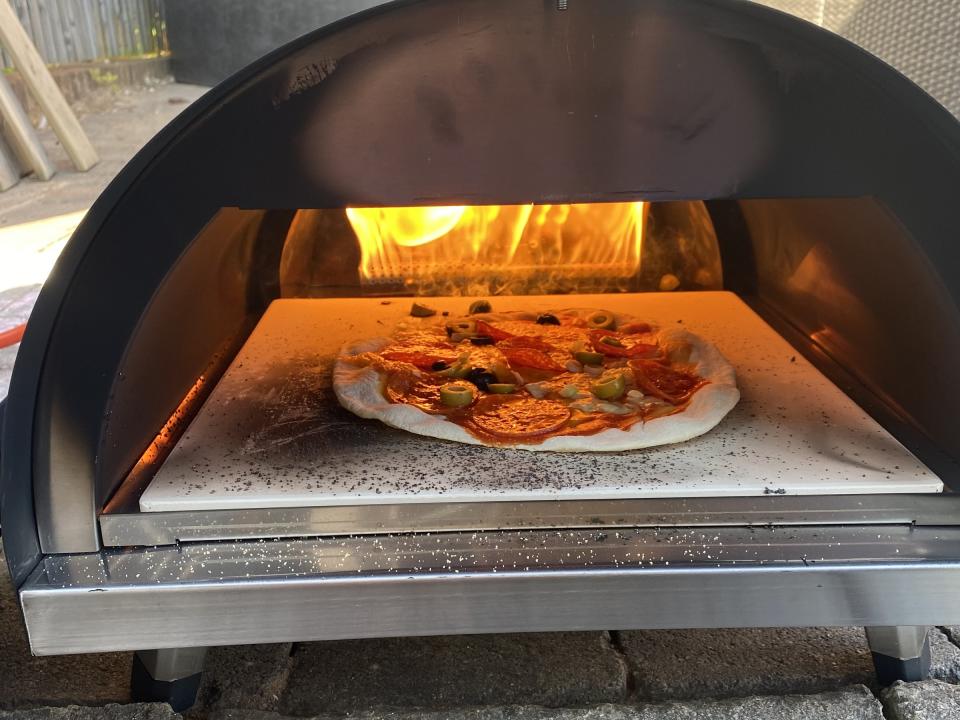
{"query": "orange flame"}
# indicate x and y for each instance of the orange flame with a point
(163, 443)
(500, 249)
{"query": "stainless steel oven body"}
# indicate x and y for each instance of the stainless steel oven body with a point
(799, 145)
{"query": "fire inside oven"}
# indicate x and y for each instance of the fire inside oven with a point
(508, 249)
(269, 433)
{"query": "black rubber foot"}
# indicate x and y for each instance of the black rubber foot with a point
(890, 669)
(178, 694)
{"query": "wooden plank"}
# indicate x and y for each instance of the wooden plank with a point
(74, 16)
(34, 27)
(107, 19)
(156, 27)
(124, 25)
(90, 25)
(56, 31)
(140, 27)
(9, 167)
(96, 7)
(21, 134)
(54, 39)
(145, 35)
(124, 18)
(45, 90)
(66, 30)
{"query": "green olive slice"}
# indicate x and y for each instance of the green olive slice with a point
(501, 388)
(589, 358)
(459, 369)
(609, 389)
(569, 391)
(456, 395)
(601, 320)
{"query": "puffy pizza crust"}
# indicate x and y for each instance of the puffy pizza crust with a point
(360, 389)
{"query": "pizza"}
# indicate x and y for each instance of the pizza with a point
(575, 380)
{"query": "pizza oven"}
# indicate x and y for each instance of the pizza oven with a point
(177, 474)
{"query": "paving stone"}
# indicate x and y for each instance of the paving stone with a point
(144, 711)
(690, 664)
(944, 658)
(855, 703)
(27, 681)
(927, 700)
(952, 633)
(553, 669)
(246, 676)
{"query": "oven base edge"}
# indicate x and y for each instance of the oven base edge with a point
(125, 529)
(247, 593)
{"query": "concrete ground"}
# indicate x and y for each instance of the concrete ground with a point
(37, 218)
(118, 123)
(822, 673)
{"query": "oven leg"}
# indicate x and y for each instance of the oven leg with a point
(171, 676)
(900, 652)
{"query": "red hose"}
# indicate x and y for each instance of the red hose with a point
(12, 336)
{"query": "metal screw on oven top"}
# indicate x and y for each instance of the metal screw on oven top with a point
(561, 4)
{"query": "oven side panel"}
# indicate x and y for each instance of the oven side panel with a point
(853, 280)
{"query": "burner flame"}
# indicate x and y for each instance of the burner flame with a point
(500, 249)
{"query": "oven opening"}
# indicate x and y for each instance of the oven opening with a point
(493, 250)
(799, 295)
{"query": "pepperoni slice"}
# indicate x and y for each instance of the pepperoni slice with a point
(629, 350)
(531, 358)
(421, 392)
(527, 341)
(674, 386)
(484, 328)
(517, 418)
(635, 328)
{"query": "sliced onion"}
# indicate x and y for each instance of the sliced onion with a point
(614, 408)
(537, 390)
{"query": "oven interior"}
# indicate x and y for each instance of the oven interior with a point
(838, 279)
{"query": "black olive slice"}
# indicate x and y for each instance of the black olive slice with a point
(481, 377)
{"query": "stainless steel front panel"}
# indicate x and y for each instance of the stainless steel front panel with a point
(431, 584)
(132, 528)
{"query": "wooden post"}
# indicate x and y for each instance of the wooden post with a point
(9, 168)
(36, 76)
(20, 132)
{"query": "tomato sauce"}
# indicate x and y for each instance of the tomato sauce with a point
(535, 352)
